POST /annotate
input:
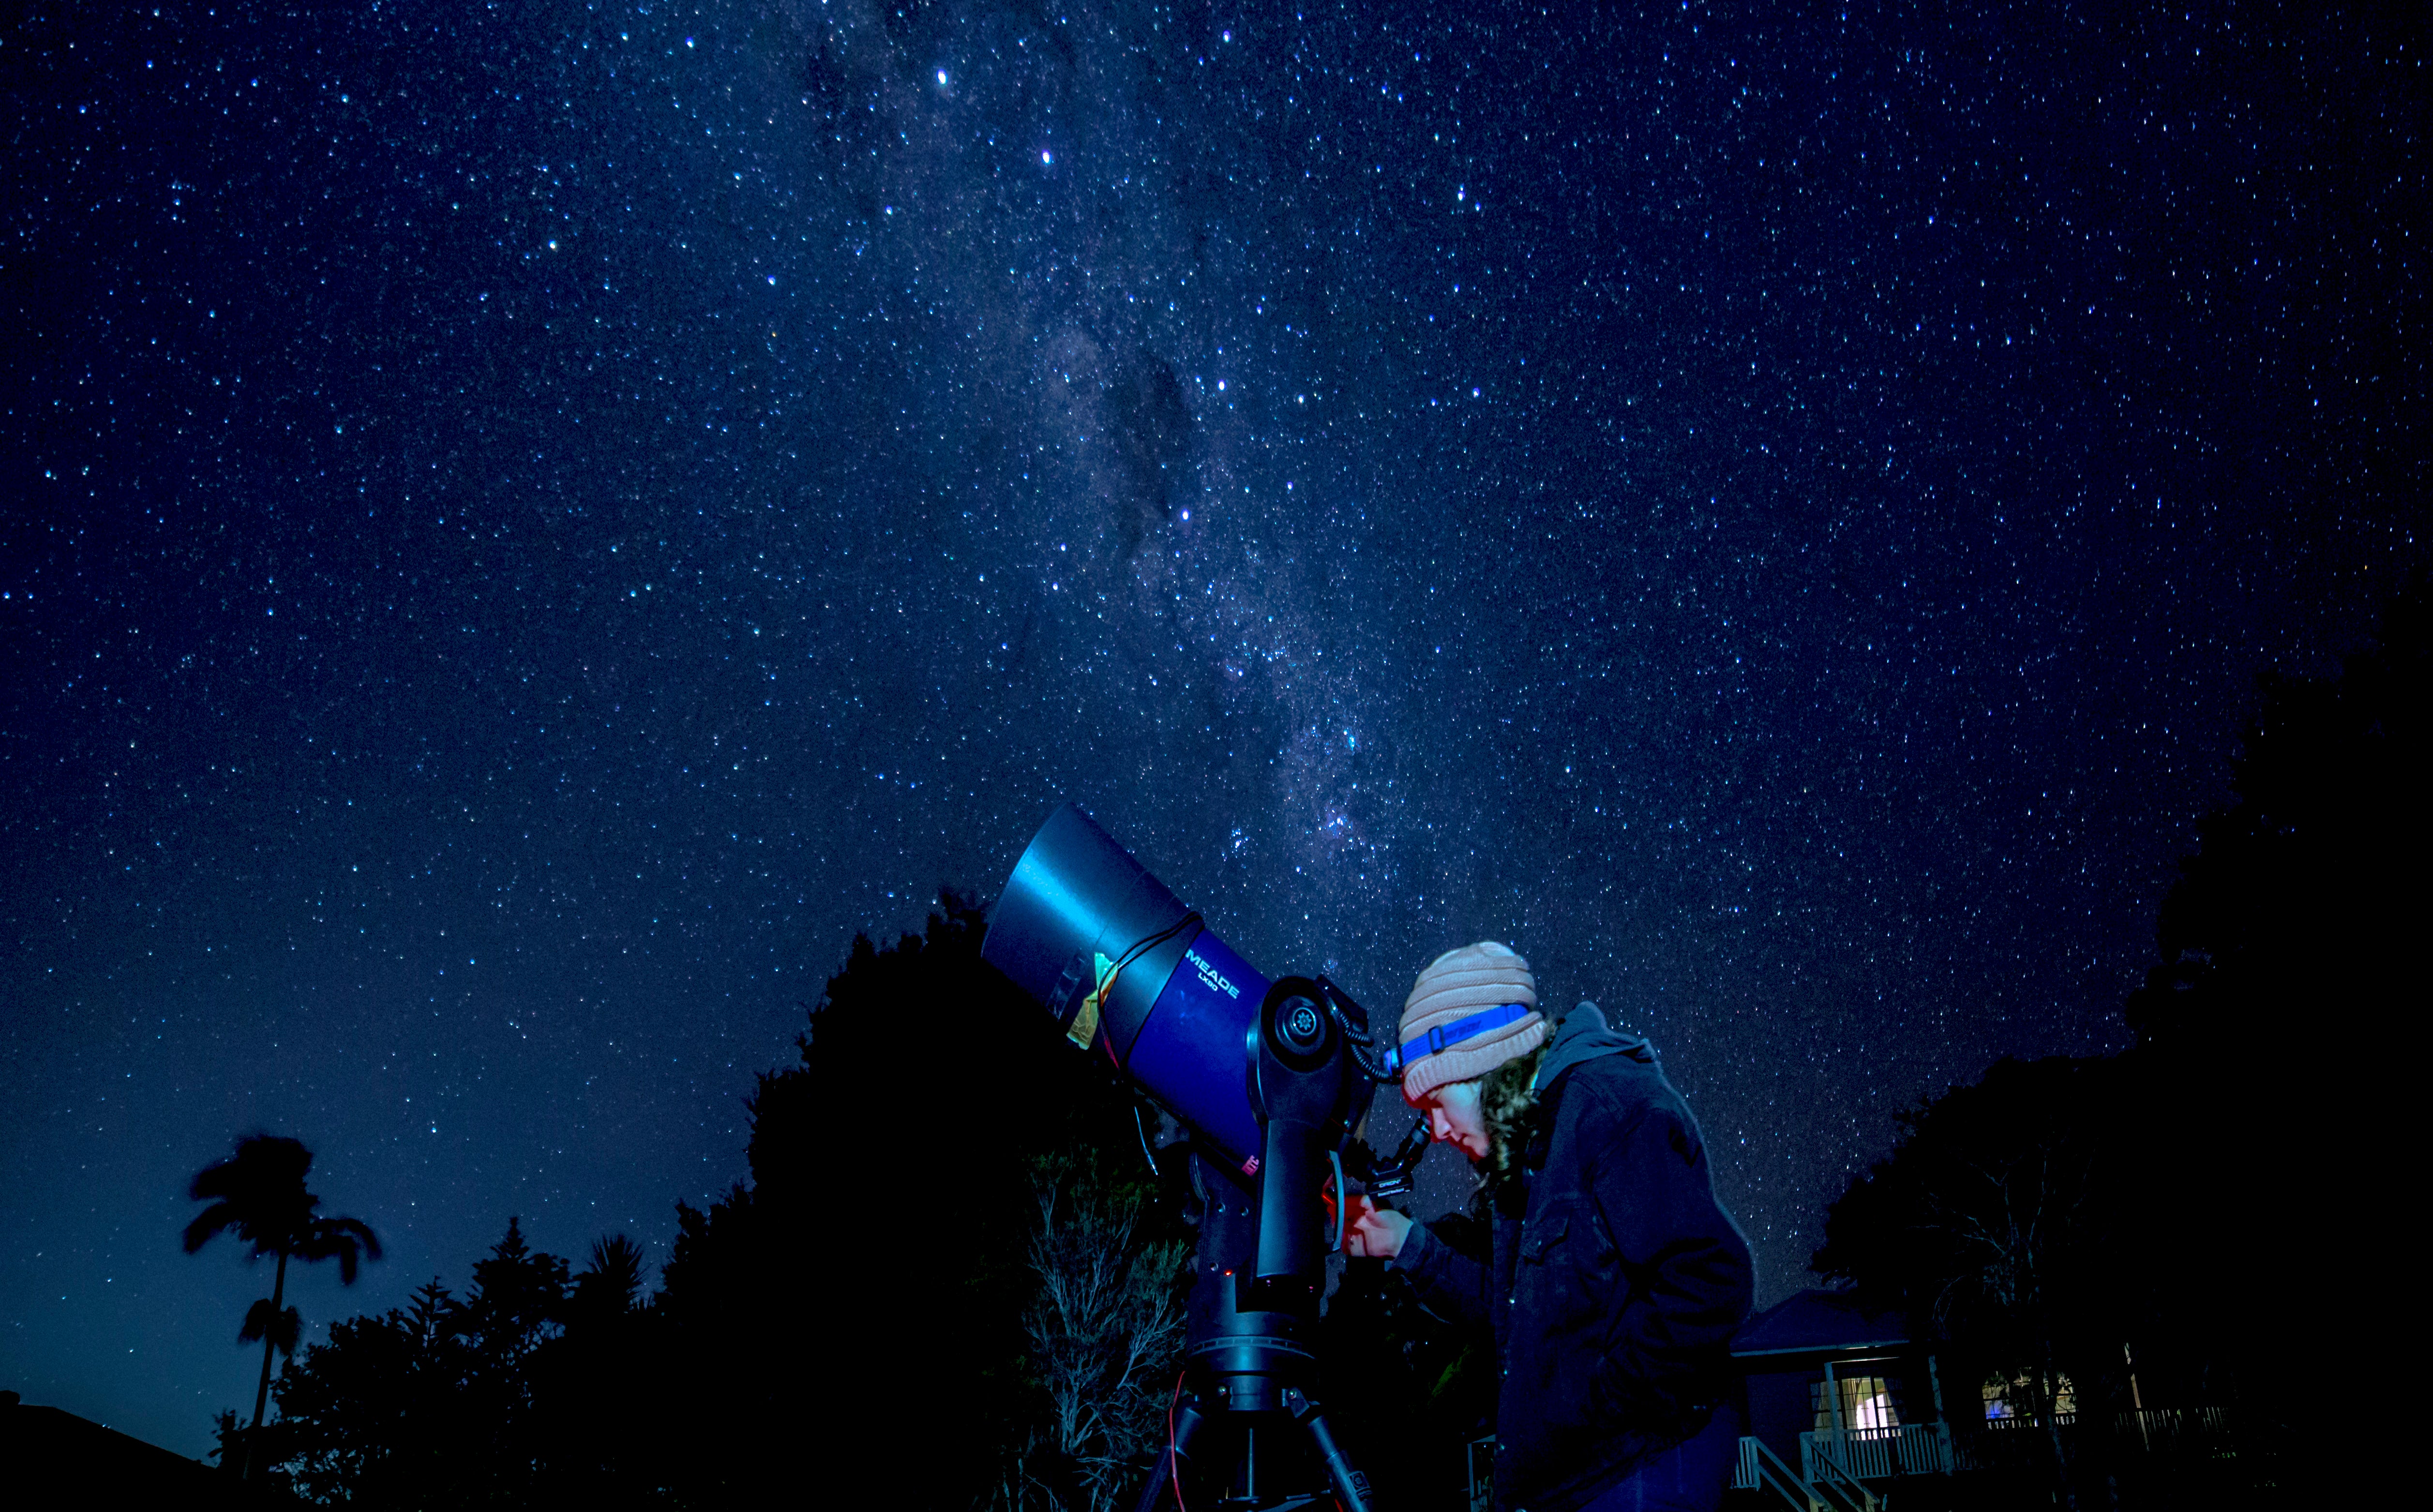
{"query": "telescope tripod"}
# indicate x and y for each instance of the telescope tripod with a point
(1247, 1365)
(1200, 1438)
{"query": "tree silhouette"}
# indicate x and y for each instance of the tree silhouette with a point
(886, 1282)
(2302, 891)
(519, 1391)
(1104, 1333)
(611, 1285)
(258, 1196)
(2275, 1044)
(515, 1309)
(595, 1433)
(1991, 1225)
(378, 1417)
(863, 1299)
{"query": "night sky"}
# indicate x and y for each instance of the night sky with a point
(525, 528)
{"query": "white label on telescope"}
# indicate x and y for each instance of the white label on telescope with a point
(1211, 974)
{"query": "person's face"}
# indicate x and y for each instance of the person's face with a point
(1457, 1116)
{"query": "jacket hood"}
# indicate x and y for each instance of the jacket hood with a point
(1585, 1035)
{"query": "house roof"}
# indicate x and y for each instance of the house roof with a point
(1816, 1322)
(56, 1458)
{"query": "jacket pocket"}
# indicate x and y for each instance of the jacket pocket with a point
(1549, 1231)
(1556, 1287)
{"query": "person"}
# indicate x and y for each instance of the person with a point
(1615, 1282)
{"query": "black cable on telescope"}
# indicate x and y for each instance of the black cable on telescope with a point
(1353, 1021)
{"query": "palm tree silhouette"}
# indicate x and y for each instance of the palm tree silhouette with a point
(612, 1283)
(258, 1194)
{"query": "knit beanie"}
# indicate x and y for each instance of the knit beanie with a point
(1457, 985)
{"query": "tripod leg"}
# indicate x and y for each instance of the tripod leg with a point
(1187, 1423)
(1351, 1487)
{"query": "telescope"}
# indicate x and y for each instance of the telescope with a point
(1267, 1075)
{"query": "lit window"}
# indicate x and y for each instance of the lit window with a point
(2018, 1398)
(1869, 1403)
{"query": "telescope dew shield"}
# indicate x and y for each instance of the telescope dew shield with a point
(1126, 969)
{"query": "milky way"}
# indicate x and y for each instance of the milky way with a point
(526, 530)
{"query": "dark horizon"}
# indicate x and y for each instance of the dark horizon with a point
(527, 533)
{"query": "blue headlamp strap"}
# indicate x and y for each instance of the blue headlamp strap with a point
(1443, 1037)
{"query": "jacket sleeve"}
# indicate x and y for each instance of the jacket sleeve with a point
(1449, 1283)
(1685, 1273)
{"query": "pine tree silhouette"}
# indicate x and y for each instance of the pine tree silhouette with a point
(860, 1300)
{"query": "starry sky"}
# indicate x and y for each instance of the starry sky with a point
(526, 527)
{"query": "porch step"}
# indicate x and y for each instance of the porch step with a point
(1761, 1470)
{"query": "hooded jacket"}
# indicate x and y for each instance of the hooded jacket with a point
(1615, 1284)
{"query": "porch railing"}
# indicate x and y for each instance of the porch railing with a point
(2002, 1443)
(1879, 1454)
(2175, 1427)
(1999, 1425)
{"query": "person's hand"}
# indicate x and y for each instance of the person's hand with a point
(1372, 1232)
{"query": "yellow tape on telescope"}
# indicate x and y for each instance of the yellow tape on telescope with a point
(1085, 1023)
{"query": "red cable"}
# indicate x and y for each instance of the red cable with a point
(1172, 1468)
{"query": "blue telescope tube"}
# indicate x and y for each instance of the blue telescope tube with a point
(1129, 973)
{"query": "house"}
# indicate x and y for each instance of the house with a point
(1843, 1406)
(1840, 1401)
(54, 1458)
